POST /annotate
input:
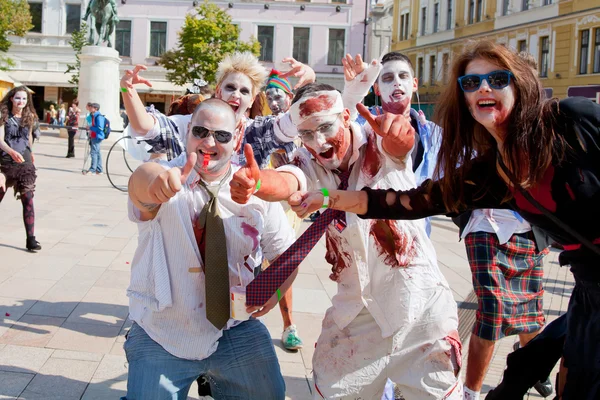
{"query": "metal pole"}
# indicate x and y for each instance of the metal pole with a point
(366, 22)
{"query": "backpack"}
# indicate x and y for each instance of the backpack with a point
(106, 129)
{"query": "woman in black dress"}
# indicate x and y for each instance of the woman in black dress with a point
(17, 119)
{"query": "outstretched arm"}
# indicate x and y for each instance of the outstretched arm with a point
(151, 185)
(274, 185)
(140, 121)
(418, 203)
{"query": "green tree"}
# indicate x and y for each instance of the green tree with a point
(15, 19)
(78, 40)
(204, 40)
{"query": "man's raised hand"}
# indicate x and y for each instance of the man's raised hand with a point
(299, 70)
(132, 77)
(244, 181)
(396, 130)
(167, 184)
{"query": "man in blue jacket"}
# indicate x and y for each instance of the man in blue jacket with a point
(96, 137)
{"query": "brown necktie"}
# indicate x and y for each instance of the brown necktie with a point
(216, 267)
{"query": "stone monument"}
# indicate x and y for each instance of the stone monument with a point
(99, 72)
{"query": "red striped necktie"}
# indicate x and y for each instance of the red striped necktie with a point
(260, 290)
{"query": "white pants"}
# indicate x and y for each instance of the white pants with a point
(355, 362)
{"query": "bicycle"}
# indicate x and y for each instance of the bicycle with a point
(131, 159)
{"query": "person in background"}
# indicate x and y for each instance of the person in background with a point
(72, 124)
(61, 115)
(17, 118)
(96, 126)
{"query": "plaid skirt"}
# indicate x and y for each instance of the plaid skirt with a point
(507, 279)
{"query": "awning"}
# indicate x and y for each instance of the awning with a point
(160, 87)
(5, 78)
(41, 78)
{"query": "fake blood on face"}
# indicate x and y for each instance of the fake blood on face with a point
(397, 248)
(397, 107)
(316, 104)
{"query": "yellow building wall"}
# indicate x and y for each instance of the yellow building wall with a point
(563, 30)
(4, 88)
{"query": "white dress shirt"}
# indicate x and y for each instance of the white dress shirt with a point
(166, 292)
(504, 223)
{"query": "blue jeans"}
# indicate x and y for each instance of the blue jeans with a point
(96, 155)
(243, 367)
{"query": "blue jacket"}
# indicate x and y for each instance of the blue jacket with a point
(97, 125)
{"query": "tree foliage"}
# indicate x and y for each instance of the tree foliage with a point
(15, 19)
(78, 40)
(205, 38)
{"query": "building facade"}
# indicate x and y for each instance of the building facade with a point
(381, 21)
(563, 36)
(318, 33)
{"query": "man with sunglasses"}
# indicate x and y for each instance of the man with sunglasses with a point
(393, 314)
(190, 233)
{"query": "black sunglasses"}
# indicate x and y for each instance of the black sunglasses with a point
(495, 79)
(201, 132)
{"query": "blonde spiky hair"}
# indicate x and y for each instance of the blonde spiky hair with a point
(245, 63)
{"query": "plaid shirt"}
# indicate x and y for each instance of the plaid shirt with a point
(260, 134)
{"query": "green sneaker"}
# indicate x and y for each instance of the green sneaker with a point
(290, 338)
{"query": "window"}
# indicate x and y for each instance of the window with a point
(596, 69)
(583, 51)
(406, 24)
(337, 46)
(158, 38)
(401, 29)
(301, 43)
(123, 38)
(479, 10)
(505, 4)
(547, 2)
(525, 5)
(73, 17)
(449, 20)
(423, 20)
(436, 17)
(544, 56)
(35, 9)
(471, 11)
(522, 45)
(265, 38)
(432, 74)
(445, 67)
(420, 69)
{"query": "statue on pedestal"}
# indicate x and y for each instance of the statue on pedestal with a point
(103, 20)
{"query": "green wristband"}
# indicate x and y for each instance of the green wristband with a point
(325, 197)
(257, 186)
(278, 295)
(124, 90)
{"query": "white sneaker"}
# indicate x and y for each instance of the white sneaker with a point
(290, 338)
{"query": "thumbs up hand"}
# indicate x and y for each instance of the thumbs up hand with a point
(244, 181)
(397, 132)
(167, 184)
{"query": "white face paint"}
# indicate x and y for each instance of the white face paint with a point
(236, 90)
(19, 100)
(326, 138)
(278, 100)
(396, 86)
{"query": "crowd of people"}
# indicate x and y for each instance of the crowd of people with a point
(228, 178)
